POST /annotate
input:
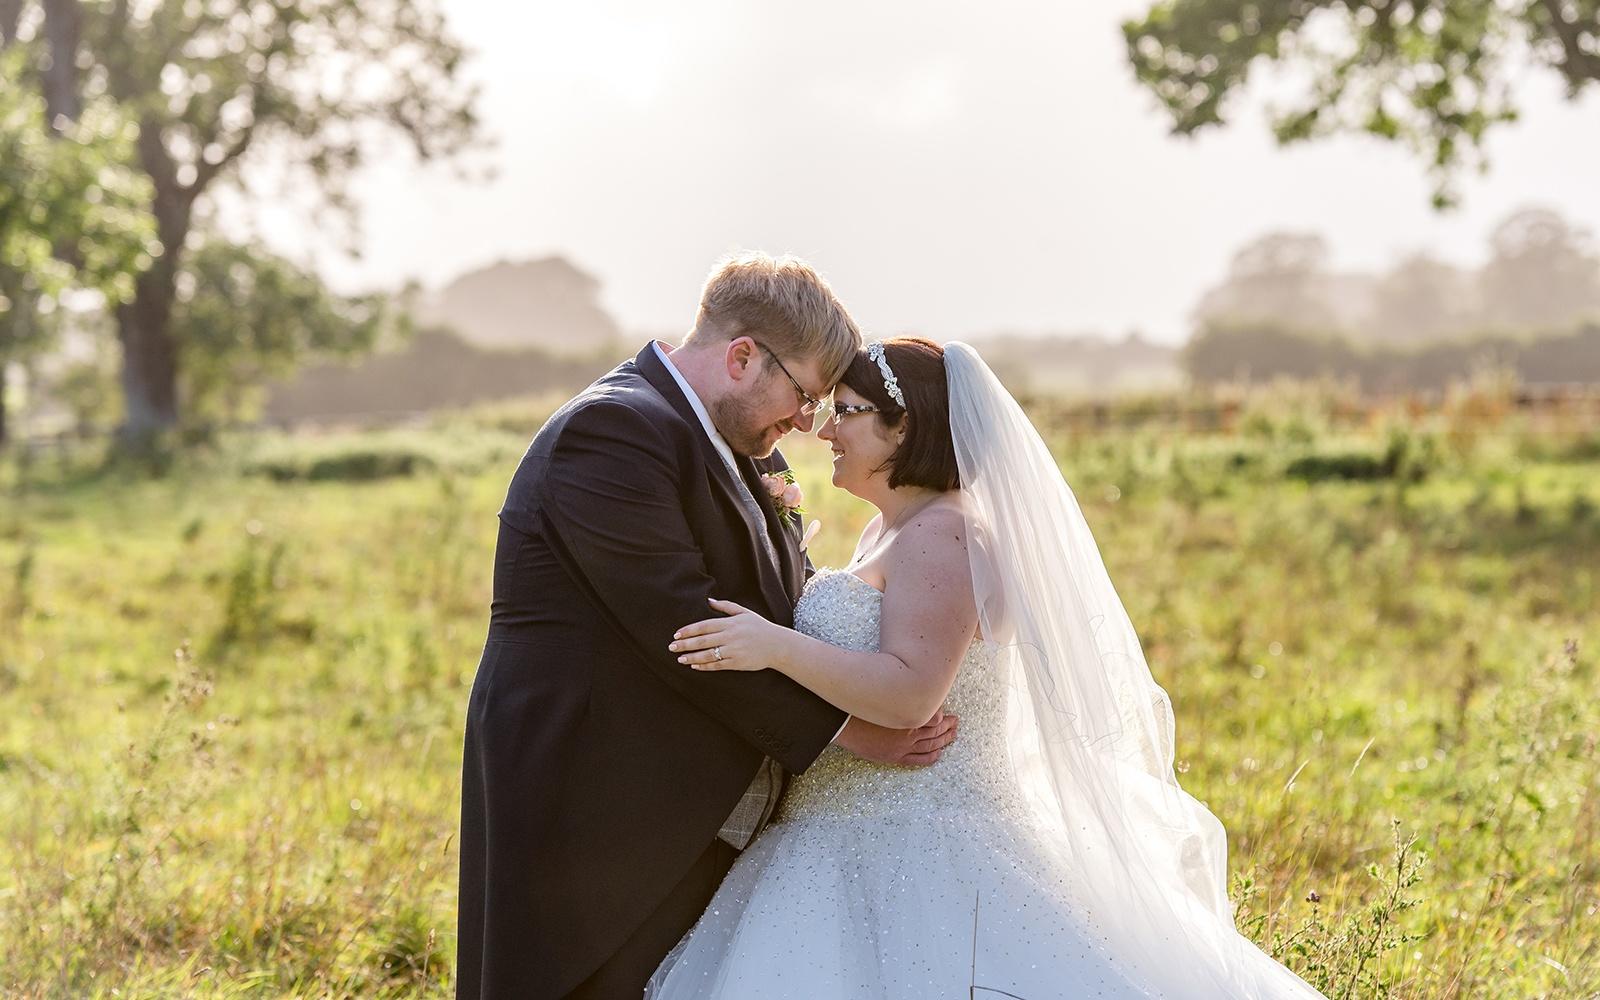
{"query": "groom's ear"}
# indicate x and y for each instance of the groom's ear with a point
(741, 351)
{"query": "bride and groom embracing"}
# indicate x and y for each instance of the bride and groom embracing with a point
(696, 767)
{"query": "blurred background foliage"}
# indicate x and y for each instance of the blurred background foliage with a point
(246, 522)
(1437, 76)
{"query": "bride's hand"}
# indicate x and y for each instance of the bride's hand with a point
(742, 641)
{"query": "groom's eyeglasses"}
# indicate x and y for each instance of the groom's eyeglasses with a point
(811, 403)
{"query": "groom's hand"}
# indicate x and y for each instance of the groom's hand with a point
(908, 747)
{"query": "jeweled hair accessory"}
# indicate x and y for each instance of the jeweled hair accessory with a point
(890, 383)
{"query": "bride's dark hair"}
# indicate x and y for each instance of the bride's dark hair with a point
(927, 457)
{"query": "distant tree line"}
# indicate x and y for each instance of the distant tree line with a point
(435, 369)
(1533, 307)
(1542, 273)
(1239, 353)
(1080, 365)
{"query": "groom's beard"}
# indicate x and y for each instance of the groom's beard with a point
(735, 420)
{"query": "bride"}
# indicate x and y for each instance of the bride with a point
(1051, 853)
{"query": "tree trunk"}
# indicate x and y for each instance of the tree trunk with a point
(149, 358)
(63, 27)
(149, 354)
(3, 431)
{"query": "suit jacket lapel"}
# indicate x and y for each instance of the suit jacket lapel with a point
(773, 585)
(785, 538)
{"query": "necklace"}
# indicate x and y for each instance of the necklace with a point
(892, 527)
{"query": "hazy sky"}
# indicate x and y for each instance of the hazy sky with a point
(953, 168)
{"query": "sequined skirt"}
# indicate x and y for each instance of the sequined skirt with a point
(874, 885)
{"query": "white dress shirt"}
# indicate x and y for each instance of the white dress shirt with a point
(722, 446)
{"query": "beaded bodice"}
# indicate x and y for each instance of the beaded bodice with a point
(840, 608)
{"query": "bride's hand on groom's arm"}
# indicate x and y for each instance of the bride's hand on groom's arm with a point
(908, 747)
(743, 640)
(746, 641)
(884, 689)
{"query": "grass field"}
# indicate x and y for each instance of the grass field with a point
(233, 697)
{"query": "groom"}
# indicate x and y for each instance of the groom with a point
(607, 789)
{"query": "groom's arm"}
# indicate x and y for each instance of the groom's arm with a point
(611, 495)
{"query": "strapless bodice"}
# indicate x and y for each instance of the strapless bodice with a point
(844, 610)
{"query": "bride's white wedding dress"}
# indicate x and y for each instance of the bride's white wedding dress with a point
(897, 882)
(1051, 852)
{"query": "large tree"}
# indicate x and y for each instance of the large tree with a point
(71, 210)
(1437, 74)
(311, 83)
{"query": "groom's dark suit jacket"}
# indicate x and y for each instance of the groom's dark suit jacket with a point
(597, 767)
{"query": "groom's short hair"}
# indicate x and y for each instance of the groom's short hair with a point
(782, 302)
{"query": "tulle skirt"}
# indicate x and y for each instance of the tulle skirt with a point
(830, 907)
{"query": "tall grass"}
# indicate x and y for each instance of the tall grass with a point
(1383, 685)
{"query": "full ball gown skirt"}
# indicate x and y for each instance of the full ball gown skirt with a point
(897, 883)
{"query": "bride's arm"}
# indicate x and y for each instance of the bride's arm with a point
(928, 622)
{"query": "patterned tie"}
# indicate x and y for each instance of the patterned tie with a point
(759, 516)
(758, 801)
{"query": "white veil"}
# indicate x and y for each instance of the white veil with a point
(1089, 730)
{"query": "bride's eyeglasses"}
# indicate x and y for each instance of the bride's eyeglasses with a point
(837, 411)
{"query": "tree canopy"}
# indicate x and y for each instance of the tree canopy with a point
(72, 212)
(311, 84)
(1435, 74)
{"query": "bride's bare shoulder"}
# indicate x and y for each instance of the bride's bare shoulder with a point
(929, 558)
(942, 522)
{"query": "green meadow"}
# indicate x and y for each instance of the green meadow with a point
(233, 693)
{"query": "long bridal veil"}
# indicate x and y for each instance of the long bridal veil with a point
(1089, 730)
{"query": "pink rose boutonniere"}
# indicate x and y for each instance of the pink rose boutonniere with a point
(785, 492)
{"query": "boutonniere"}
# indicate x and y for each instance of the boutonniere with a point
(784, 491)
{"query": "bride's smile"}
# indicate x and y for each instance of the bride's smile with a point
(862, 446)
